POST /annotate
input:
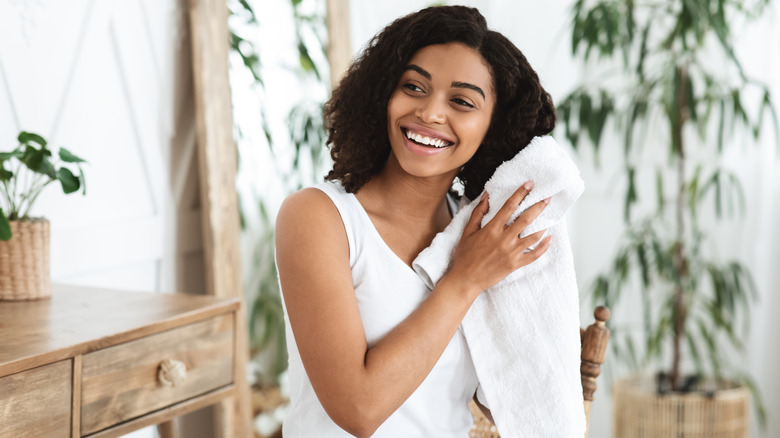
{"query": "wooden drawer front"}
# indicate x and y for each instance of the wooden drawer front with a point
(120, 383)
(36, 403)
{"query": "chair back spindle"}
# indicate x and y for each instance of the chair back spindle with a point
(594, 346)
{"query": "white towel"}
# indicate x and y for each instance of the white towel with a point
(523, 333)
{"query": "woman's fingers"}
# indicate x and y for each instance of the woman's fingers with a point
(476, 216)
(512, 203)
(530, 240)
(532, 255)
(528, 216)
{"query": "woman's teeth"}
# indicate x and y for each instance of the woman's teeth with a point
(427, 141)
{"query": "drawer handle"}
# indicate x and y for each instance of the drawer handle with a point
(172, 372)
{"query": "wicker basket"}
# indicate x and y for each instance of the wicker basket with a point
(640, 412)
(24, 262)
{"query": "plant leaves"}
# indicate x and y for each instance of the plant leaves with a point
(29, 137)
(38, 161)
(70, 183)
(83, 181)
(68, 157)
(16, 153)
(5, 174)
(631, 193)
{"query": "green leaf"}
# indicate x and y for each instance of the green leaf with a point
(718, 196)
(305, 60)
(70, 183)
(29, 137)
(245, 4)
(5, 174)
(721, 126)
(694, 352)
(38, 161)
(757, 400)
(693, 191)
(659, 191)
(83, 181)
(16, 153)
(738, 191)
(644, 264)
(690, 98)
(631, 196)
(5, 227)
(601, 290)
(68, 157)
(712, 348)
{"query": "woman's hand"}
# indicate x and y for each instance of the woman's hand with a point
(486, 255)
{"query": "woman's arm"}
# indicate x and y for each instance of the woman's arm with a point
(360, 387)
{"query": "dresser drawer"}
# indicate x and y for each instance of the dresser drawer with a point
(36, 403)
(122, 382)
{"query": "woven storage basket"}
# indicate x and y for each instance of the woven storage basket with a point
(641, 412)
(24, 262)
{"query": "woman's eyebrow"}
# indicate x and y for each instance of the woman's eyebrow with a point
(418, 69)
(427, 75)
(469, 86)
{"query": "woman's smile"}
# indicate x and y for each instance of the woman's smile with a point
(425, 142)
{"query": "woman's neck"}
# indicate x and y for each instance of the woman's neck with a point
(418, 199)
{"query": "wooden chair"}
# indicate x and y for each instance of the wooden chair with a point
(594, 346)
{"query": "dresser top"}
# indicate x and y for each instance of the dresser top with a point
(77, 320)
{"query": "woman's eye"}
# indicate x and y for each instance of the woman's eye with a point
(462, 102)
(413, 87)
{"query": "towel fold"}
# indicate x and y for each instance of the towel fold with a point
(523, 333)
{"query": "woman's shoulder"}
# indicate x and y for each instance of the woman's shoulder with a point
(309, 234)
(309, 202)
(309, 213)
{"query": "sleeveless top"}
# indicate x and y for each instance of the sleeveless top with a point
(387, 291)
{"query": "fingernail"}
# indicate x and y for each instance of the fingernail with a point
(547, 201)
(484, 196)
(529, 185)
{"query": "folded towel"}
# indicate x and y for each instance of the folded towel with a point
(523, 333)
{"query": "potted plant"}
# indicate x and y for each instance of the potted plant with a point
(664, 84)
(24, 241)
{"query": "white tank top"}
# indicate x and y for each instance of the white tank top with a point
(387, 291)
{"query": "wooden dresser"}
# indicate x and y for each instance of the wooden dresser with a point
(102, 363)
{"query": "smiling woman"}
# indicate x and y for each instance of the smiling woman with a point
(435, 97)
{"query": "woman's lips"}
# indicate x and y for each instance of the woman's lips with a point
(422, 150)
(425, 132)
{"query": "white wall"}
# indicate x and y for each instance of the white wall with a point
(111, 81)
(541, 30)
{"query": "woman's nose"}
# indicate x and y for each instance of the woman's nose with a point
(431, 111)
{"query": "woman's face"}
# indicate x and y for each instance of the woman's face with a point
(441, 109)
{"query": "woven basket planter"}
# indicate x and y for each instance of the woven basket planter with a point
(641, 412)
(24, 262)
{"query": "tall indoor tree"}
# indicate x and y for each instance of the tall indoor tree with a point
(667, 76)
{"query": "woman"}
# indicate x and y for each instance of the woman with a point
(434, 97)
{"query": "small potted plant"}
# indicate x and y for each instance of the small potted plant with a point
(24, 241)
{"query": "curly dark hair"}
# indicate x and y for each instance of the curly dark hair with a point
(357, 110)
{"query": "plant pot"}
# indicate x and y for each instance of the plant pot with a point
(24, 262)
(720, 411)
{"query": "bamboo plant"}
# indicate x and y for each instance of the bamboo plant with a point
(670, 79)
(26, 171)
